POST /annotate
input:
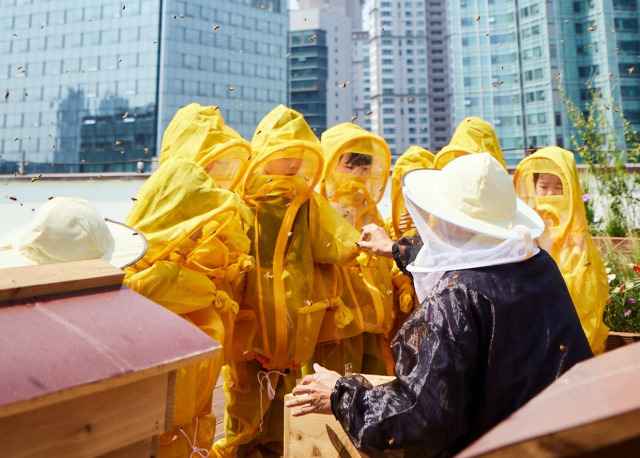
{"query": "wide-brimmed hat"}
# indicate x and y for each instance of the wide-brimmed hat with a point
(474, 192)
(71, 229)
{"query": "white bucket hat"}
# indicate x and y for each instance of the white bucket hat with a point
(71, 229)
(474, 192)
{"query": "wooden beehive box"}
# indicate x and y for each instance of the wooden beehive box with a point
(320, 435)
(87, 365)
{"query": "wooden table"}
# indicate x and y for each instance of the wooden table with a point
(88, 372)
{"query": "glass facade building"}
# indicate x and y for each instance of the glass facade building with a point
(91, 86)
(509, 56)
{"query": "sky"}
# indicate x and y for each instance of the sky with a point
(293, 4)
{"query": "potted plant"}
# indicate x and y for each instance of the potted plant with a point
(622, 312)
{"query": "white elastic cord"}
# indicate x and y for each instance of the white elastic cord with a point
(262, 375)
(201, 452)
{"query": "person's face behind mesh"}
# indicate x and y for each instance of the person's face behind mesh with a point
(354, 164)
(548, 184)
(283, 166)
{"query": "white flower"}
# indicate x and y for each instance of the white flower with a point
(611, 277)
(607, 270)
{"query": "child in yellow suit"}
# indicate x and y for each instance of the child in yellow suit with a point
(400, 225)
(200, 134)
(198, 252)
(355, 176)
(548, 181)
(473, 135)
(281, 312)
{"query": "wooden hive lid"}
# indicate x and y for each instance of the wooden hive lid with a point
(593, 406)
(63, 345)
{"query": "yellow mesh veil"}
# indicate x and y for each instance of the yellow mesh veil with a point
(566, 236)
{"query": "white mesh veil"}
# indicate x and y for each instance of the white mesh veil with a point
(447, 246)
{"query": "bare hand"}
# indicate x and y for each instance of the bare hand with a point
(314, 394)
(377, 240)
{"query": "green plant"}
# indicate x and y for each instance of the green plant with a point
(595, 141)
(588, 203)
(622, 312)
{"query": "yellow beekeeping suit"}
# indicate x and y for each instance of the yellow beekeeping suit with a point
(399, 224)
(200, 134)
(198, 249)
(281, 312)
(473, 135)
(415, 157)
(566, 236)
(354, 191)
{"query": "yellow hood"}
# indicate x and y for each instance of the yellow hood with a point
(473, 135)
(354, 196)
(568, 210)
(416, 157)
(283, 135)
(349, 137)
(566, 236)
(199, 133)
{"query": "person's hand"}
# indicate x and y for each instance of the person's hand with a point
(314, 394)
(377, 240)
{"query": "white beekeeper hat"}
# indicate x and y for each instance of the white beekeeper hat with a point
(71, 229)
(468, 216)
(474, 192)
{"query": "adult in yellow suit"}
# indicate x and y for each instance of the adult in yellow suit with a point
(281, 311)
(356, 171)
(548, 181)
(198, 251)
(473, 135)
(398, 225)
(199, 133)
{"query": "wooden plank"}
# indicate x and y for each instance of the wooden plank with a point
(144, 448)
(32, 281)
(90, 425)
(320, 435)
(217, 407)
(586, 439)
(592, 407)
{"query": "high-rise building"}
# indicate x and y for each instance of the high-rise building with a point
(356, 48)
(361, 79)
(349, 8)
(320, 67)
(409, 92)
(91, 86)
(508, 57)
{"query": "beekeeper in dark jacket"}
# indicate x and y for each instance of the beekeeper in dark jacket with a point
(496, 324)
